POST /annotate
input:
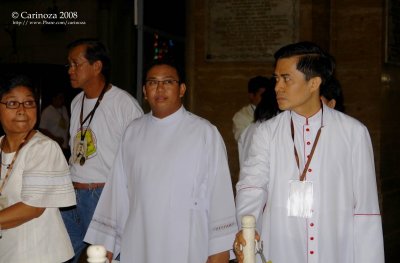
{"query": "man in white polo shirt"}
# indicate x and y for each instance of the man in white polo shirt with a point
(99, 116)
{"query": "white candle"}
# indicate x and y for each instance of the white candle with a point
(248, 228)
(96, 254)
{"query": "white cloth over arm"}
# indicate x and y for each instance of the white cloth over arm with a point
(254, 175)
(368, 238)
(221, 223)
(111, 212)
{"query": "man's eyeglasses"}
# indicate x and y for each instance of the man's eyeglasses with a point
(167, 83)
(13, 104)
(75, 65)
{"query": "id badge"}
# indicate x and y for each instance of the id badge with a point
(300, 199)
(80, 148)
(3, 202)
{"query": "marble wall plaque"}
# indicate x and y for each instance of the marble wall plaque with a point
(249, 30)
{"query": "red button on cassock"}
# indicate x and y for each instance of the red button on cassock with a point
(312, 224)
(311, 238)
(307, 129)
(310, 170)
(308, 143)
(311, 252)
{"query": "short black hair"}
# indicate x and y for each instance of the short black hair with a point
(268, 105)
(168, 62)
(95, 50)
(332, 89)
(9, 82)
(257, 83)
(313, 60)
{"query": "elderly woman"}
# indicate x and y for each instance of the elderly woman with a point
(34, 183)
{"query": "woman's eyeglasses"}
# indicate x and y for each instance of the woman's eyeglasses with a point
(13, 104)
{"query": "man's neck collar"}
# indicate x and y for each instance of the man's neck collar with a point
(311, 118)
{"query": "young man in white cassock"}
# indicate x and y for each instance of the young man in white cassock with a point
(310, 172)
(169, 198)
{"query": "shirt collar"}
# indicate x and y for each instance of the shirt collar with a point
(315, 119)
(171, 118)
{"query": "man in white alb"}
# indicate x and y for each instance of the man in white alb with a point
(245, 116)
(169, 198)
(310, 172)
